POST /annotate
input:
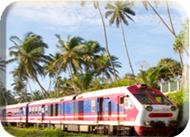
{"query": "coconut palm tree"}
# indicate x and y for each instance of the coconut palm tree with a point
(96, 6)
(172, 30)
(36, 95)
(83, 81)
(29, 54)
(92, 49)
(2, 69)
(119, 12)
(179, 48)
(62, 85)
(104, 67)
(20, 96)
(51, 68)
(72, 52)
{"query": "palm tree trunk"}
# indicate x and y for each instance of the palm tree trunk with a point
(172, 31)
(105, 37)
(126, 47)
(187, 54)
(31, 91)
(170, 19)
(161, 19)
(71, 75)
(180, 58)
(25, 92)
(42, 87)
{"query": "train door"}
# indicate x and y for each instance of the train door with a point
(4, 117)
(43, 112)
(63, 107)
(100, 110)
(4, 114)
(120, 109)
(20, 113)
(80, 110)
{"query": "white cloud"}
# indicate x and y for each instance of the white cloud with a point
(56, 13)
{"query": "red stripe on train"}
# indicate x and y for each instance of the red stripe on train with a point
(160, 115)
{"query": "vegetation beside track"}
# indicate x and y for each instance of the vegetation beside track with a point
(35, 132)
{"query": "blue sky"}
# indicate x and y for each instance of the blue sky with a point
(147, 38)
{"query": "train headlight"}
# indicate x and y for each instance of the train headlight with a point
(173, 108)
(149, 108)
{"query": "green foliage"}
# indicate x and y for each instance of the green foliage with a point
(34, 132)
(123, 82)
(181, 100)
(185, 32)
(177, 99)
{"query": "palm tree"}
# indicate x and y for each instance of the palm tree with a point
(119, 14)
(179, 48)
(150, 79)
(9, 98)
(21, 96)
(83, 81)
(2, 68)
(36, 95)
(96, 6)
(146, 3)
(71, 55)
(104, 67)
(92, 49)
(51, 68)
(62, 85)
(29, 55)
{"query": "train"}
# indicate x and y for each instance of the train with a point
(128, 110)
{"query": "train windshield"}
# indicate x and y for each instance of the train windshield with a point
(144, 99)
(161, 99)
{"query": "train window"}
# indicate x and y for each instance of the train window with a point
(121, 100)
(46, 109)
(93, 106)
(30, 110)
(51, 110)
(24, 111)
(4, 113)
(161, 99)
(109, 107)
(61, 109)
(144, 99)
(56, 109)
(33, 110)
(20, 111)
(145, 91)
(37, 110)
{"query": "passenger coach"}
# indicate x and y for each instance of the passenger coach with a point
(132, 110)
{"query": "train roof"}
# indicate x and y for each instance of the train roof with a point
(103, 92)
(51, 100)
(15, 105)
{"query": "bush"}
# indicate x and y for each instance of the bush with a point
(181, 100)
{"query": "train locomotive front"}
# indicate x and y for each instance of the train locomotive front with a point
(157, 115)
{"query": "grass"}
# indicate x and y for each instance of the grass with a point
(34, 132)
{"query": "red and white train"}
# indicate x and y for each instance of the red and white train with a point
(130, 110)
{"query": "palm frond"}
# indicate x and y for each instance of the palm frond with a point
(109, 6)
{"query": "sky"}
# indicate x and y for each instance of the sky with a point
(147, 38)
